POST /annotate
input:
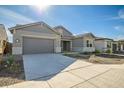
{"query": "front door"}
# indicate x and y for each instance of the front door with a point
(114, 47)
(66, 46)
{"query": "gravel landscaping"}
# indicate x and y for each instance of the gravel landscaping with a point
(107, 59)
(98, 58)
(11, 75)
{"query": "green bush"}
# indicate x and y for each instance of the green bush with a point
(108, 51)
(10, 60)
(97, 52)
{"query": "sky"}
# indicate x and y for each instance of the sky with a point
(102, 21)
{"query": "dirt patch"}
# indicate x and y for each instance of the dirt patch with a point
(8, 77)
(106, 59)
(77, 55)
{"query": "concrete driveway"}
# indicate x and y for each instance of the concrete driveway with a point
(72, 73)
(42, 65)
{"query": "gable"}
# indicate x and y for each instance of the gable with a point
(38, 28)
(90, 36)
(63, 31)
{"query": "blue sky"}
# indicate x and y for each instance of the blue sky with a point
(104, 21)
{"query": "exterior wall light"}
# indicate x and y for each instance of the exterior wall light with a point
(17, 40)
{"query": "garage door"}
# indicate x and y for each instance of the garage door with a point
(37, 45)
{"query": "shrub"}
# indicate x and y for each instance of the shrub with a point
(108, 51)
(10, 60)
(97, 52)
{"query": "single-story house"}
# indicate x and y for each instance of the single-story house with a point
(3, 38)
(121, 45)
(35, 38)
(41, 38)
(103, 44)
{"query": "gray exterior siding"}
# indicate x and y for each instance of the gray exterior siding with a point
(37, 28)
(77, 42)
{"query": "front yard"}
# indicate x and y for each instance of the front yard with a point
(97, 58)
(11, 70)
(87, 68)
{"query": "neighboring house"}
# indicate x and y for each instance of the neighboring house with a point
(66, 38)
(103, 44)
(35, 38)
(121, 45)
(83, 43)
(115, 46)
(3, 38)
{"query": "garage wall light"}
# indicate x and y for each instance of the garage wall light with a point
(17, 40)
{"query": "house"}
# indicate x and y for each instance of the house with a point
(103, 44)
(41, 38)
(83, 43)
(3, 38)
(121, 45)
(115, 46)
(35, 38)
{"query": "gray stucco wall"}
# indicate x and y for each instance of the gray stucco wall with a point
(78, 42)
(80, 45)
(100, 45)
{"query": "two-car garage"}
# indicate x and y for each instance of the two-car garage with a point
(37, 45)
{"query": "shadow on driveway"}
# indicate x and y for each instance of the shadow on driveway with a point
(45, 66)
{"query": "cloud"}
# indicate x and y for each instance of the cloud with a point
(120, 15)
(119, 28)
(14, 16)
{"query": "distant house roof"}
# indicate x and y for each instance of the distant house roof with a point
(102, 38)
(18, 26)
(85, 34)
(121, 40)
(60, 26)
(3, 34)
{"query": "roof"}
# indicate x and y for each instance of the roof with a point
(85, 34)
(122, 40)
(3, 34)
(60, 26)
(18, 26)
(102, 38)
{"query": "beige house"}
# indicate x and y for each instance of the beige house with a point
(121, 45)
(35, 38)
(3, 38)
(41, 38)
(103, 44)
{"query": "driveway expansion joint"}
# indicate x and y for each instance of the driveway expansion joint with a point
(89, 78)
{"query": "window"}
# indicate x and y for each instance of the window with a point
(90, 45)
(87, 43)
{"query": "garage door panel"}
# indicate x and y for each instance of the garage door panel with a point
(37, 45)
